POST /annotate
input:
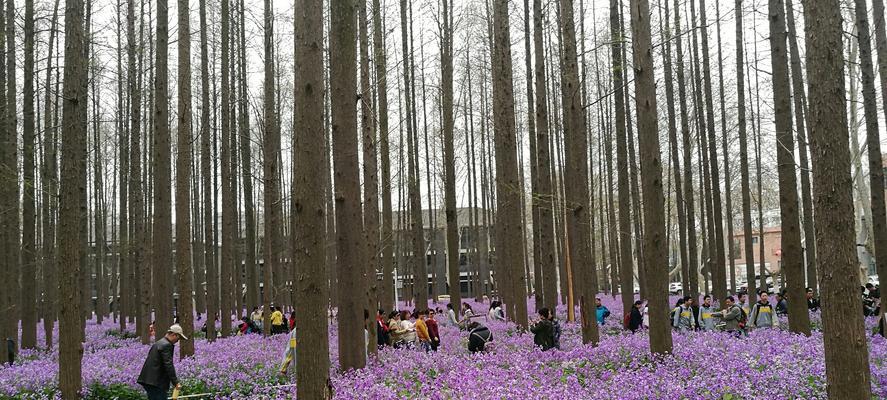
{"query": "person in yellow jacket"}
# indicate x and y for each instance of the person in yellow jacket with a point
(422, 331)
(289, 355)
(277, 325)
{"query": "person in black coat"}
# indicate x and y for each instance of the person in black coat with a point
(478, 337)
(158, 372)
(543, 331)
(636, 318)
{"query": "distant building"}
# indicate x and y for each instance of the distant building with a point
(772, 240)
(472, 237)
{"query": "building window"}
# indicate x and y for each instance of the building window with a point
(754, 240)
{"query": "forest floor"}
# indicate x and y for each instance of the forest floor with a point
(768, 364)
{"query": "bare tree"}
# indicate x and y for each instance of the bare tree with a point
(449, 158)
(161, 255)
(743, 153)
(386, 244)
(228, 154)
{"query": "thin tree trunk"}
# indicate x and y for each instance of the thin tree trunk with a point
(185, 307)
(449, 159)
(792, 256)
(386, 293)
(49, 173)
(692, 250)
(728, 183)
(251, 263)
(228, 199)
(626, 267)
(719, 278)
(207, 173)
(844, 334)
(136, 182)
(543, 159)
(370, 179)
(29, 199)
(800, 103)
(577, 197)
(743, 154)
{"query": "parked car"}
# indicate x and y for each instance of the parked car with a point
(675, 288)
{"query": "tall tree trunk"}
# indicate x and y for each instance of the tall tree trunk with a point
(508, 224)
(343, 75)
(308, 219)
(29, 199)
(251, 263)
(161, 255)
(185, 307)
(873, 141)
(543, 159)
(692, 250)
(386, 294)
(792, 256)
(728, 182)
(718, 264)
(844, 334)
(576, 141)
(14, 225)
(207, 172)
(676, 163)
(800, 103)
(49, 175)
(136, 182)
(370, 178)
(449, 160)
(651, 178)
(626, 266)
(72, 201)
(228, 199)
(743, 153)
(9, 322)
(270, 173)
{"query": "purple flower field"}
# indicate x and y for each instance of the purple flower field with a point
(769, 364)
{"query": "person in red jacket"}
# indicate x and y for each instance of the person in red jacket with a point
(433, 332)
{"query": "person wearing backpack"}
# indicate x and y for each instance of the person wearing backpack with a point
(762, 314)
(543, 330)
(733, 317)
(682, 316)
(705, 315)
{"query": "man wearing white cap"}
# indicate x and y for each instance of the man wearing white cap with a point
(159, 372)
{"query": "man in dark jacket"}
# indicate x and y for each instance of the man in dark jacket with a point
(543, 331)
(636, 318)
(159, 372)
(478, 337)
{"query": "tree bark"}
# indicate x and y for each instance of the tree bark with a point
(651, 178)
(207, 172)
(844, 334)
(743, 153)
(449, 161)
(49, 175)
